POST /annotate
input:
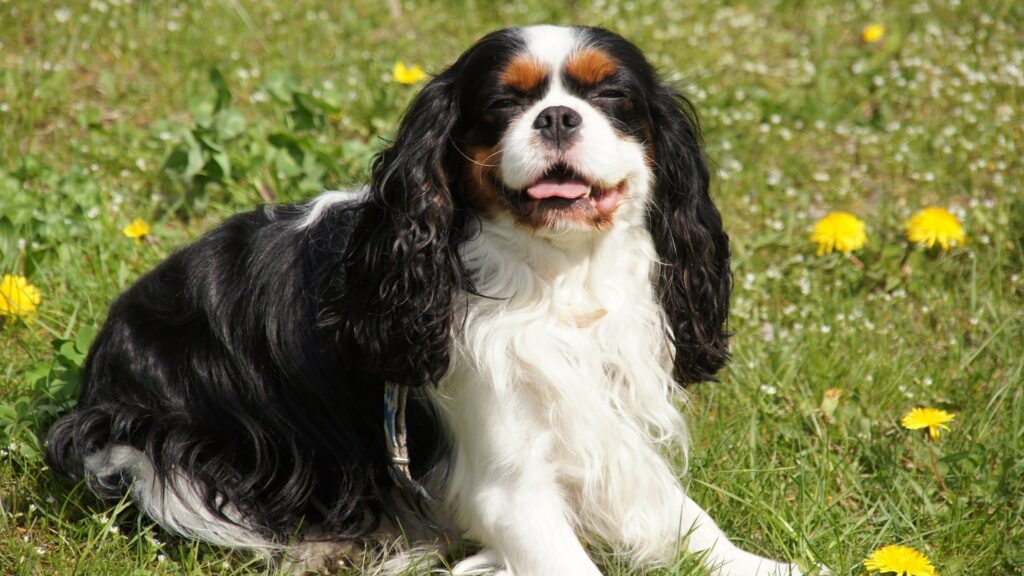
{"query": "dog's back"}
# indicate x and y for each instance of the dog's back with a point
(214, 393)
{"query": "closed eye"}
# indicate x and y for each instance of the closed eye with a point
(611, 95)
(503, 103)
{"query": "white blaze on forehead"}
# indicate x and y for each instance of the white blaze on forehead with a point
(551, 45)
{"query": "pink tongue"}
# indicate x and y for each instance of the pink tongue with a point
(552, 188)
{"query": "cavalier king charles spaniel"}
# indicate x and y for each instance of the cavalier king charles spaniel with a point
(535, 265)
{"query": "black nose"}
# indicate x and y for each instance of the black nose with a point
(558, 124)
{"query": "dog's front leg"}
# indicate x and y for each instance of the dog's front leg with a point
(504, 488)
(722, 556)
(525, 527)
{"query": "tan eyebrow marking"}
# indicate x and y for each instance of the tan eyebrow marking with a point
(589, 66)
(524, 73)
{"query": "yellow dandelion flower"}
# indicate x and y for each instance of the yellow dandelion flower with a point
(840, 231)
(407, 75)
(872, 33)
(935, 226)
(931, 418)
(830, 401)
(899, 560)
(833, 394)
(137, 230)
(17, 296)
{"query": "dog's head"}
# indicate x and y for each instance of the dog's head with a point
(557, 131)
(555, 128)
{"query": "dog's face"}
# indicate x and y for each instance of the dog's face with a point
(554, 128)
(557, 132)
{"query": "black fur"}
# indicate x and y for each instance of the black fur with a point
(405, 248)
(695, 280)
(218, 362)
(255, 359)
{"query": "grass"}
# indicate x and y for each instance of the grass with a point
(183, 112)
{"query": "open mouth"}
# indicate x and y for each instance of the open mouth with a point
(562, 188)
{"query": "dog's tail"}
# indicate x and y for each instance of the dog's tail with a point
(77, 447)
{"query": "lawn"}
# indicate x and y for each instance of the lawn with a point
(183, 112)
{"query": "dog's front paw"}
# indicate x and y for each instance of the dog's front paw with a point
(742, 563)
(487, 561)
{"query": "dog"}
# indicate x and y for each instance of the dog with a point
(534, 271)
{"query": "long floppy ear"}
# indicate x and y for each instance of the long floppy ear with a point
(402, 269)
(694, 281)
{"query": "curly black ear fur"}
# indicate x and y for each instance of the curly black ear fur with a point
(694, 282)
(402, 264)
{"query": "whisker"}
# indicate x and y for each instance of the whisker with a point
(463, 154)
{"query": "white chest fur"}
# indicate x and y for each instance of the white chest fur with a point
(561, 380)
